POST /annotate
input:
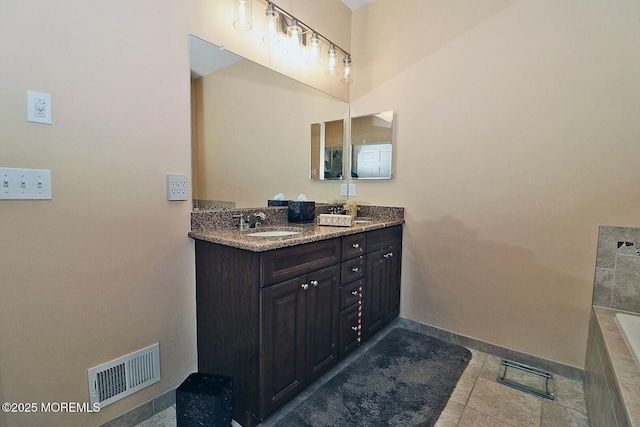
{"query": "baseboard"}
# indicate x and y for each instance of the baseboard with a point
(505, 353)
(144, 411)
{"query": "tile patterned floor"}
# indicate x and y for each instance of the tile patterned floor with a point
(480, 401)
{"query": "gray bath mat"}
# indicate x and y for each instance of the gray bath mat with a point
(404, 380)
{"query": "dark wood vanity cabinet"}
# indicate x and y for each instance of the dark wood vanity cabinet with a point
(384, 259)
(274, 321)
(300, 333)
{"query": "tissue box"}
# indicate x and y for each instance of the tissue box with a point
(335, 220)
(301, 212)
(271, 202)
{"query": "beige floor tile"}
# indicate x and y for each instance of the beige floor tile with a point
(505, 403)
(472, 418)
(450, 414)
(166, 418)
(490, 367)
(555, 415)
(465, 384)
(570, 393)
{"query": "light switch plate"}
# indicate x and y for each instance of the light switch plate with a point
(352, 189)
(176, 187)
(25, 184)
(343, 189)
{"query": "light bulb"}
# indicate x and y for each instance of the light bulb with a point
(332, 60)
(314, 50)
(272, 26)
(294, 32)
(346, 75)
(242, 15)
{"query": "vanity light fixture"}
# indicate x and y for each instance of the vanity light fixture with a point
(300, 41)
(347, 76)
(332, 69)
(272, 25)
(242, 14)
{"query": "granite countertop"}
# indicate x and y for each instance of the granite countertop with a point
(215, 227)
(308, 233)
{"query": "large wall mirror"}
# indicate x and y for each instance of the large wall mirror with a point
(251, 135)
(372, 146)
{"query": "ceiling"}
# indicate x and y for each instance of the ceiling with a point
(355, 4)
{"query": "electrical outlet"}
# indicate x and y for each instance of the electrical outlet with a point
(343, 189)
(25, 184)
(352, 190)
(176, 187)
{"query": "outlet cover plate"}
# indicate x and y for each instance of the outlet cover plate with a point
(176, 187)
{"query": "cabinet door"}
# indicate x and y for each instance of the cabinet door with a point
(350, 328)
(323, 305)
(393, 264)
(283, 342)
(375, 303)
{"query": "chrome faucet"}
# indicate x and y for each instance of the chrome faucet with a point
(248, 221)
(256, 218)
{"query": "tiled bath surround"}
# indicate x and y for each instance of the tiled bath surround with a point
(612, 385)
(617, 279)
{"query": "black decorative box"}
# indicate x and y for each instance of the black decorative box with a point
(204, 400)
(302, 212)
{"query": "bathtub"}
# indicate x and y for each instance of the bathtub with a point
(630, 328)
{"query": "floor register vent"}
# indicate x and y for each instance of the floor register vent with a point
(121, 377)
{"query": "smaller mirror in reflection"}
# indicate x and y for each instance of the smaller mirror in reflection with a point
(327, 142)
(372, 146)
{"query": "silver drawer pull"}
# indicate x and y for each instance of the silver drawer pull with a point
(354, 328)
(356, 245)
(314, 282)
(305, 286)
(354, 293)
(355, 269)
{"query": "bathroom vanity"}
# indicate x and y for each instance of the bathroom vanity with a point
(276, 313)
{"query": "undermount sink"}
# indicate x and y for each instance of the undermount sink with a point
(273, 233)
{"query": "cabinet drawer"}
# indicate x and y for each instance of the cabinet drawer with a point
(384, 237)
(351, 294)
(353, 269)
(354, 245)
(286, 263)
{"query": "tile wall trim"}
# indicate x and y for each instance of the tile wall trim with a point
(557, 368)
(144, 411)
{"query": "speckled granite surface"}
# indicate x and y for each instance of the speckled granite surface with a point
(217, 227)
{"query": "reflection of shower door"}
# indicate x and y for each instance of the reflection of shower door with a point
(374, 161)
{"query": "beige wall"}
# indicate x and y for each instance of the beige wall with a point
(517, 135)
(106, 267)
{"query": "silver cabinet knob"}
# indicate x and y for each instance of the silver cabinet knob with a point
(314, 282)
(355, 269)
(305, 286)
(354, 328)
(356, 245)
(354, 293)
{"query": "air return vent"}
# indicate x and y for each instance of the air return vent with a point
(121, 377)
